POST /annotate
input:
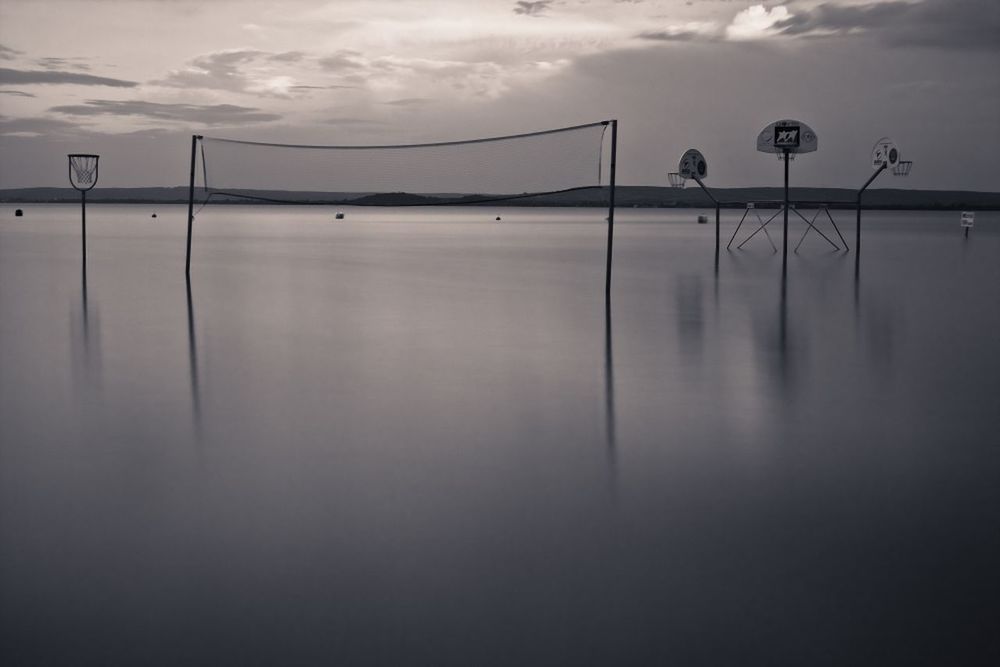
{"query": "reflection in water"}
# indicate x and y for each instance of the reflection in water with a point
(85, 334)
(609, 388)
(690, 315)
(193, 364)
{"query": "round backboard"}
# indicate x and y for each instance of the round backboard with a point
(885, 153)
(792, 136)
(693, 165)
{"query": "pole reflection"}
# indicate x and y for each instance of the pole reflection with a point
(193, 364)
(85, 336)
(609, 391)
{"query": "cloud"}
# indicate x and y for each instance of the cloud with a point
(7, 53)
(215, 114)
(237, 70)
(33, 127)
(407, 102)
(532, 8)
(343, 60)
(61, 63)
(16, 93)
(684, 32)
(15, 76)
(954, 24)
(756, 22)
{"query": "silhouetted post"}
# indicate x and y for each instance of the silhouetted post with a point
(857, 224)
(83, 176)
(194, 152)
(716, 202)
(784, 241)
(83, 226)
(611, 208)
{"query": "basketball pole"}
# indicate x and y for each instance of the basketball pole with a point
(611, 209)
(784, 241)
(716, 202)
(857, 223)
(194, 153)
(83, 226)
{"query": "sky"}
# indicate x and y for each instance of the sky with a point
(133, 79)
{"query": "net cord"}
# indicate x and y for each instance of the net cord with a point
(403, 146)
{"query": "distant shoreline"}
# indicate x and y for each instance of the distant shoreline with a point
(625, 196)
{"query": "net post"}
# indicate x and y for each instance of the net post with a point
(611, 209)
(194, 153)
(857, 222)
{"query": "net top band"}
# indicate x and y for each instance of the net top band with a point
(423, 145)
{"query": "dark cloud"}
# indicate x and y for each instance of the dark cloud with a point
(16, 77)
(7, 53)
(62, 63)
(16, 93)
(340, 61)
(225, 70)
(532, 8)
(34, 126)
(953, 24)
(671, 36)
(215, 114)
(407, 102)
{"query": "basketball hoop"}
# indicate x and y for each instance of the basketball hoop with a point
(902, 168)
(83, 171)
(676, 180)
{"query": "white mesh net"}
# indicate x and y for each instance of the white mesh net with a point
(454, 172)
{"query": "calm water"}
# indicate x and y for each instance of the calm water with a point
(413, 437)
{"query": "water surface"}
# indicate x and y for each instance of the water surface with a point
(416, 436)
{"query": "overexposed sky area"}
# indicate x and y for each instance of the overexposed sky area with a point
(133, 79)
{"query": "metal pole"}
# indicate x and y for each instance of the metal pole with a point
(194, 151)
(857, 224)
(784, 247)
(716, 202)
(83, 225)
(717, 235)
(611, 208)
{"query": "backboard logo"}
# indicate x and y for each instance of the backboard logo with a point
(786, 137)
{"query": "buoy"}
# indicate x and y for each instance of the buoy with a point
(154, 215)
(18, 213)
(498, 217)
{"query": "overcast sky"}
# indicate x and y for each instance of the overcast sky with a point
(133, 79)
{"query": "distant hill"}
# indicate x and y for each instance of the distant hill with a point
(626, 196)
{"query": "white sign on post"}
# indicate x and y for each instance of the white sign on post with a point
(968, 218)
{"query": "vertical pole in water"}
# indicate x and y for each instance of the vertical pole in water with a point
(784, 247)
(83, 225)
(194, 152)
(716, 231)
(857, 223)
(611, 208)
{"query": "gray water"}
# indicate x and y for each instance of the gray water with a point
(414, 437)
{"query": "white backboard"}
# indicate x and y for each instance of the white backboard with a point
(885, 152)
(693, 165)
(792, 136)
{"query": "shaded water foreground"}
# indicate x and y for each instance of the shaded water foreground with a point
(415, 438)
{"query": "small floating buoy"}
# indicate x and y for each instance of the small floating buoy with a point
(18, 213)
(498, 217)
(154, 215)
(339, 216)
(702, 219)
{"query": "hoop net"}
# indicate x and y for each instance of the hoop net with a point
(83, 171)
(676, 180)
(902, 168)
(536, 164)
